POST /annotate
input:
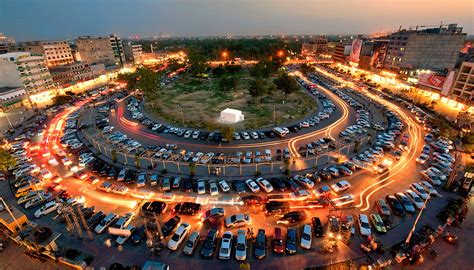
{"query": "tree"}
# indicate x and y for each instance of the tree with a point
(286, 83)
(257, 87)
(218, 71)
(198, 64)
(174, 65)
(113, 155)
(228, 83)
(61, 99)
(192, 168)
(6, 160)
(305, 68)
(227, 133)
(147, 81)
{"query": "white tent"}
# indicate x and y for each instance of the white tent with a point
(231, 116)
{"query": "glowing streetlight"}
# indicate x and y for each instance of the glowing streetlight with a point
(224, 54)
(280, 53)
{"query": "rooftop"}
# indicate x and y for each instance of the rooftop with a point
(4, 89)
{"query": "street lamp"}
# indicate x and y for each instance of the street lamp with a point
(280, 53)
(225, 54)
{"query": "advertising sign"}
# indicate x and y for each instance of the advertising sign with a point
(431, 80)
(355, 50)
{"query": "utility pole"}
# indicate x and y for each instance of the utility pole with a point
(11, 214)
(416, 220)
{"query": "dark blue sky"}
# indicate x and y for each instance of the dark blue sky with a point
(59, 19)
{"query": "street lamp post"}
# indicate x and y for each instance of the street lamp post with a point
(407, 241)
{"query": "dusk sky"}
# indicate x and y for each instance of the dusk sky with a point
(59, 19)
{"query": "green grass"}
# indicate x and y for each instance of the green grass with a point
(202, 100)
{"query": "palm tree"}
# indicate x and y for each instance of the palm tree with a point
(192, 168)
(6, 160)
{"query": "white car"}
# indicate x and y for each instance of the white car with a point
(340, 186)
(237, 220)
(105, 223)
(428, 187)
(201, 187)
(46, 209)
(224, 186)
(437, 172)
(422, 158)
(304, 181)
(264, 184)
(252, 185)
(364, 225)
(66, 161)
(213, 190)
(52, 161)
(179, 236)
(306, 237)
(420, 190)
(226, 246)
(241, 246)
(45, 174)
(414, 198)
(121, 239)
(86, 161)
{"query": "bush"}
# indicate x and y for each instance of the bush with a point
(164, 171)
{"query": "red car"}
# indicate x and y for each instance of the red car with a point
(278, 244)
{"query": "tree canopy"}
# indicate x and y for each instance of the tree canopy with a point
(257, 87)
(228, 83)
(62, 99)
(286, 83)
(6, 160)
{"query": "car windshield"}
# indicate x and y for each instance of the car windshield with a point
(306, 236)
(189, 244)
(175, 237)
(233, 218)
(278, 241)
(365, 225)
(224, 250)
(240, 247)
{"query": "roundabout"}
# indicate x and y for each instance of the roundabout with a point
(329, 171)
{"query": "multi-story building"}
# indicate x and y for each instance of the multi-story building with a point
(74, 73)
(117, 47)
(133, 52)
(69, 74)
(11, 97)
(463, 86)
(316, 46)
(7, 44)
(56, 52)
(27, 70)
(434, 49)
(341, 51)
(95, 50)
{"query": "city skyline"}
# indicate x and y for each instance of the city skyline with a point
(220, 18)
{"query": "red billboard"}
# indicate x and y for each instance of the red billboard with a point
(431, 80)
(355, 50)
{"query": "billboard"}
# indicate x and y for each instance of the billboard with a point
(355, 50)
(437, 82)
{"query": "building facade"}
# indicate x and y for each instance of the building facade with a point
(434, 49)
(70, 74)
(56, 52)
(133, 52)
(7, 44)
(95, 50)
(117, 48)
(463, 86)
(27, 70)
(315, 47)
(11, 97)
(341, 51)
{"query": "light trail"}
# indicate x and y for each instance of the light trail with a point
(413, 131)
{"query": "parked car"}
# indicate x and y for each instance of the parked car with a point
(191, 244)
(292, 217)
(278, 244)
(378, 223)
(237, 220)
(291, 241)
(306, 237)
(396, 206)
(105, 223)
(170, 225)
(207, 249)
(364, 225)
(241, 246)
(225, 249)
(259, 250)
(317, 227)
(382, 207)
(179, 236)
